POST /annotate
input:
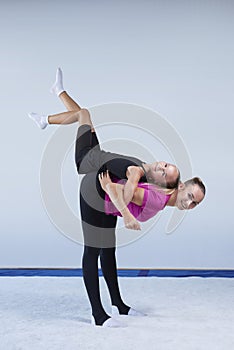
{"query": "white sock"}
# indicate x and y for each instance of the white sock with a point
(131, 312)
(112, 323)
(57, 87)
(109, 323)
(114, 310)
(40, 119)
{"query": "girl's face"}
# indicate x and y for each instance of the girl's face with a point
(162, 173)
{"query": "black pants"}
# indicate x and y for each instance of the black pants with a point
(90, 158)
(98, 228)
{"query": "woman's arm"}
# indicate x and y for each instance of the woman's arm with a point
(115, 192)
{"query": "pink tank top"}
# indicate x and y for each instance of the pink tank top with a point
(153, 201)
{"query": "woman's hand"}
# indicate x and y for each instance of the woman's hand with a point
(131, 223)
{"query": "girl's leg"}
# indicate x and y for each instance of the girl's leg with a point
(82, 116)
(64, 118)
(68, 102)
(86, 140)
(75, 112)
(59, 91)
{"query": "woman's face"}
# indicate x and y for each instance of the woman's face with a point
(188, 197)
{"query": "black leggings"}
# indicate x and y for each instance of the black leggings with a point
(91, 280)
(98, 230)
(90, 158)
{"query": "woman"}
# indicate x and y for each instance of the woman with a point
(98, 227)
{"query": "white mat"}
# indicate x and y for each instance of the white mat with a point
(53, 313)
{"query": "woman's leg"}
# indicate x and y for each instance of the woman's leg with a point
(98, 231)
(91, 281)
(109, 269)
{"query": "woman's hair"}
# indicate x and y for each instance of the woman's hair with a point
(165, 190)
(196, 181)
(168, 190)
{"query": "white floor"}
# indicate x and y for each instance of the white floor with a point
(53, 313)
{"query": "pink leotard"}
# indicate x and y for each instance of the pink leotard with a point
(153, 201)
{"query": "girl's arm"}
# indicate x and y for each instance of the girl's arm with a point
(115, 192)
(134, 173)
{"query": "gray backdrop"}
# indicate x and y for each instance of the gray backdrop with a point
(174, 57)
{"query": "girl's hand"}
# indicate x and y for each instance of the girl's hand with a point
(105, 180)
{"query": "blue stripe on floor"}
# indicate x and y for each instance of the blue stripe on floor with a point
(72, 272)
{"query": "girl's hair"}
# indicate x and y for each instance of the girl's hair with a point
(174, 185)
(171, 186)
